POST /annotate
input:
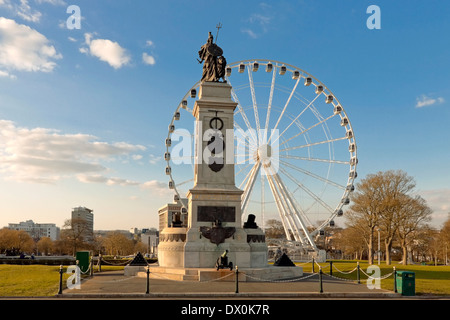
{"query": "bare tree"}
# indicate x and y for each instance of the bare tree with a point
(351, 242)
(116, 243)
(366, 209)
(377, 202)
(396, 187)
(45, 245)
(15, 241)
(445, 234)
(412, 216)
(274, 229)
(74, 233)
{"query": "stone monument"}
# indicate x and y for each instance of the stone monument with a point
(214, 212)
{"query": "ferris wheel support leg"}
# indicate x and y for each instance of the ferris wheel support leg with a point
(280, 207)
(285, 208)
(296, 213)
(249, 187)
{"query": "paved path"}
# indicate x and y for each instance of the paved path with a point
(113, 284)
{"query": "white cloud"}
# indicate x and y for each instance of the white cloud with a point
(260, 19)
(25, 49)
(46, 155)
(5, 74)
(97, 178)
(258, 23)
(425, 101)
(250, 32)
(148, 59)
(53, 2)
(157, 187)
(154, 159)
(107, 51)
(27, 13)
(439, 201)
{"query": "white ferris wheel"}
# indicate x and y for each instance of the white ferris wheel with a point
(295, 148)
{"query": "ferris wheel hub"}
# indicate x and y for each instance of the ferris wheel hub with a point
(263, 154)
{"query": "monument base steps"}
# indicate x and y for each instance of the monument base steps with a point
(269, 273)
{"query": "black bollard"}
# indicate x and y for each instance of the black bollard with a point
(320, 279)
(331, 268)
(395, 280)
(237, 280)
(357, 273)
(313, 265)
(99, 262)
(60, 279)
(148, 280)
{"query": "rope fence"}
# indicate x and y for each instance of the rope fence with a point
(332, 272)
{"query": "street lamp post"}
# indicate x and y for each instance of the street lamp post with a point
(378, 229)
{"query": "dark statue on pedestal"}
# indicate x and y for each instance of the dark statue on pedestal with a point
(214, 62)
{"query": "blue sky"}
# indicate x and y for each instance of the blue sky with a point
(84, 112)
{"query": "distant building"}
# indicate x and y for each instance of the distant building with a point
(85, 218)
(151, 239)
(167, 214)
(37, 230)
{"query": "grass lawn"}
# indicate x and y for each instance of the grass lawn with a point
(33, 280)
(429, 279)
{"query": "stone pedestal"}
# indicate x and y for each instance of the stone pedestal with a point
(214, 209)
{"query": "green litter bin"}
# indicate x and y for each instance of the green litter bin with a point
(83, 260)
(406, 283)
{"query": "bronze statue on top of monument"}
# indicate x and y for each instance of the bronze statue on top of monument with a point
(214, 62)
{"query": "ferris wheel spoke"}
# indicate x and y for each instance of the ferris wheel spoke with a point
(269, 105)
(184, 182)
(306, 172)
(255, 104)
(296, 118)
(241, 140)
(243, 115)
(287, 156)
(306, 130)
(313, 144)
(284, 109)
(183, 160)
(247, 176)
(242, 169)
(242, 160)
(303, 187)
